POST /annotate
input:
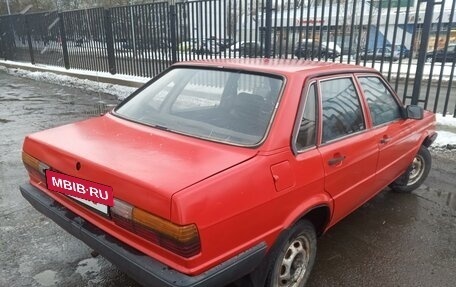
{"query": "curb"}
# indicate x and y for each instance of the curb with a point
(84, 75)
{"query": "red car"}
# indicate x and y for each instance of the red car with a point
(225, 169)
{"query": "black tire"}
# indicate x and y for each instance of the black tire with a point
(293, 257)
(417, 172)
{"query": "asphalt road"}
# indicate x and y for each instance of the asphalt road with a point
(393, 240)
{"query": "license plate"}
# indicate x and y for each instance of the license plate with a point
(98, 206)
(95, 195)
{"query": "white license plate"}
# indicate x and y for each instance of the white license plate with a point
(98, 206)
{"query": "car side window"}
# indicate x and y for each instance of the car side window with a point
(342, 113)
(382, 105)
(307, 128)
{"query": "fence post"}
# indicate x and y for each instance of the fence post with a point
(29, 40)
(172, 28)
(63, 40)
(426, 29)
(9, 40)
(109, 42)
(268, 29)
(3, 43)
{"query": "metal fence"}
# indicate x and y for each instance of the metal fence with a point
(412, 42)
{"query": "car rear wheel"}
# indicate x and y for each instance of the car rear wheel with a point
(417, 172)
(293, 257)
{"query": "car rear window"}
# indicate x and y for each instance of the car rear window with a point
(227, 106)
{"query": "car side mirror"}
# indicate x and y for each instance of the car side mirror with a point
(414, 112)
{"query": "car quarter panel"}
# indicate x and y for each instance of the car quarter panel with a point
(240, 207)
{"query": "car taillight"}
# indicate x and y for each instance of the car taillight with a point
(35, 168)
(180, 239)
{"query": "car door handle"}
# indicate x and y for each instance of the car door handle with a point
(385, 140)
(336, 160)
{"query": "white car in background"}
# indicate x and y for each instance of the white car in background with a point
(236, 46)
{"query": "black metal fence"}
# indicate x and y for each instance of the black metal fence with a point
(412, 42)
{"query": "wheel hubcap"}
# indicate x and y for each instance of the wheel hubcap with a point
(294, 263)
(417, 170)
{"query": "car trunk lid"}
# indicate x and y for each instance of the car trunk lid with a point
(145, 166)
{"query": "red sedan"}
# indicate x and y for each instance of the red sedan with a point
(227, 169)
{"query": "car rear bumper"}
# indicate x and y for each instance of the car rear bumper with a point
(137, 265)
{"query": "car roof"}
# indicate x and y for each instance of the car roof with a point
(278, 66)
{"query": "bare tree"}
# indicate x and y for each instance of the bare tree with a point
(16, 6)
(84, 4)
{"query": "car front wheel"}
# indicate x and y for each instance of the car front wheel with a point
(417, 172)
(294, 257)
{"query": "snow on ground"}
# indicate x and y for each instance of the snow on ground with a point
(75, 71)
(444, 139)
(449, 120)
(117, 90)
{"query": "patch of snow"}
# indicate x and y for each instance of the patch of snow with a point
(119, 91)
(448, 120)
(139, 80)
(46, 278)
(445, 138)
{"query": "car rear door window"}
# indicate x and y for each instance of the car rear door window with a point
(342, 112)
(382, 104)
(307, 128)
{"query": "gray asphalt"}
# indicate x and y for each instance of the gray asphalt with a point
(393, 240)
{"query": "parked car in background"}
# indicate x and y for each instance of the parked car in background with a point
(210, 47)
(333, 46)
(384, 54)
(251, 49)
(400, 51)
(441, 56)
(188, 46)
(219, 170)
(122, 44)
(140, 45)
(345, 48)
(236, 46)
(309, 49)
(79, 42)
(213, 45)
(225, 43)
